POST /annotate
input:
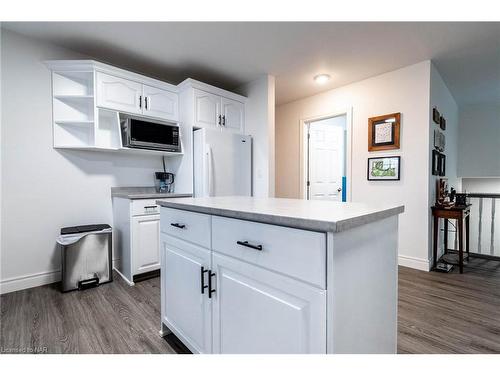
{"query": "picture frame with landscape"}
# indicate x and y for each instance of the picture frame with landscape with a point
(385, 168)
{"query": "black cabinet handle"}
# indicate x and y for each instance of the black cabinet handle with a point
(177, 225)
(202, 276)
(140, 101)
(220, 119)
(210, 290)
(224, 120)
(150, 206)
(246, 244)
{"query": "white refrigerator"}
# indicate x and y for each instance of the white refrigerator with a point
(222, 163)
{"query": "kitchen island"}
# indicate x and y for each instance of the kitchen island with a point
(271, 275)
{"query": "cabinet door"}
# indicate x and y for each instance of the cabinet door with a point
(259, 311)
(118, 93)
(185, 310)
(145, 243)
(206, 109)
(160, 103)
(233, 115)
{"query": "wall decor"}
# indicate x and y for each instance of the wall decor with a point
(435, 115)
(442, 123)
(442, 141)
(442, 164)
(385, 168)
(383, 132)
(435, 163)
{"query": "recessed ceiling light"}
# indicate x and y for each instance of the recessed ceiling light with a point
(322, 78)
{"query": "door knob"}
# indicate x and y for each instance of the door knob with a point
(339, 190)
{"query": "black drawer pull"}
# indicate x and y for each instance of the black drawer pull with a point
(202, 276)
(210, 290)
(177, 225)
(150, 206)
(245, 243)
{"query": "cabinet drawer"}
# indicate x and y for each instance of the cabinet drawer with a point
(145, 207)
(294, 252)
(188, 226)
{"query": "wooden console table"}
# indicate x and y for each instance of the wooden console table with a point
(461, 214)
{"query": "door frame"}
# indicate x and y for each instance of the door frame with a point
(303, 154)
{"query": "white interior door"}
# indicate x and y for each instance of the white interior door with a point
(326, 150)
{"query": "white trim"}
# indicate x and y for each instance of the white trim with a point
(192, 83)
(412, 262)
(348, 152)
(130, 283)
(29, 281)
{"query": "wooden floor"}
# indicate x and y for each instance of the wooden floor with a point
(438, 313)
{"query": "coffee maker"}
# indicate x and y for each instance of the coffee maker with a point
(164, 181)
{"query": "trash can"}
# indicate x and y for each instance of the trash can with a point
(85, 256)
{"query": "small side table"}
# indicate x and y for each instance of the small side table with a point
(461, 214)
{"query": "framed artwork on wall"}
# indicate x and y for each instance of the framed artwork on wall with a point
(385, 168)
(435, 163)
(442, 123)
(435, 115)
(442, 164)
(439, 140)
(383, 132)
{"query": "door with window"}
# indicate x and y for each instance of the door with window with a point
(326, 158)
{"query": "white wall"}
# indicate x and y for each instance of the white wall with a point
(405, 90)
(259, 123)
(479, 141)
(44, 189)
(441, 98)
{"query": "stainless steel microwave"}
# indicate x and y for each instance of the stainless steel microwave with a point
(150, 134)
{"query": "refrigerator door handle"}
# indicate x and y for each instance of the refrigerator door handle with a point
(209, 170)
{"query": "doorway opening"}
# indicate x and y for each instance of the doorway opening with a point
(326, 161)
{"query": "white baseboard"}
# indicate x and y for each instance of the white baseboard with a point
(29, 281)
(412, 262)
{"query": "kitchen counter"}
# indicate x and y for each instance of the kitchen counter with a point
(142, 193)
(279, 276)
(295, 213)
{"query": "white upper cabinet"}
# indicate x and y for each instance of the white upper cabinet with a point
(118, 94)
(124, 95)
(233, 114)
(160, 103)
(206, 109)
(206, 106)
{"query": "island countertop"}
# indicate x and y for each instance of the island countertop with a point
(321, 216)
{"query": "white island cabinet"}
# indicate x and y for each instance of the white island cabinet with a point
(270, 275)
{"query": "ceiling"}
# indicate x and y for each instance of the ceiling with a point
(230, 54)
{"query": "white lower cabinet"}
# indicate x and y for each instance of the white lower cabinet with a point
(145, 243)
(259, 311)
(186, 307)
(232, 302)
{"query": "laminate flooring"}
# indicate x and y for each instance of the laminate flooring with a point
(437, 313)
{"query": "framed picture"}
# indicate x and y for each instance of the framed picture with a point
(384, 168)
(435, 163)
(442, 123)
(435, 115)
(442, 141)
(442, 164)
(383, 132)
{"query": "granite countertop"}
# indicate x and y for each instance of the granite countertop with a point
(142, 193)
(319, 216)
